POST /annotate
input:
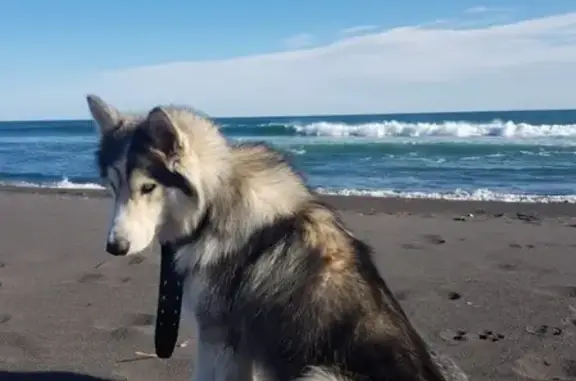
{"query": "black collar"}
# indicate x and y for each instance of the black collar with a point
(170, 291)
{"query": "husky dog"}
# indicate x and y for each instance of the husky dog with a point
(280, 289)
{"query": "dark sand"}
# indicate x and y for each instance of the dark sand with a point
(496, 290)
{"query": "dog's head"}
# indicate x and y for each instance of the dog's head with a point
(152, 165)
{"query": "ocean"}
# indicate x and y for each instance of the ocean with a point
(526, 156)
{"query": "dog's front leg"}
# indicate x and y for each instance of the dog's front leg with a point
(206, 360)
(219, 359)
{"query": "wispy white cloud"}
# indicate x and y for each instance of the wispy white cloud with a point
(524, 64)
(300, 40)
(477, 9)
(484, 9)
(360, 29)
(469, 23)
(477, 17)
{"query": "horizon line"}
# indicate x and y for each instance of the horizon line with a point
(68, 119)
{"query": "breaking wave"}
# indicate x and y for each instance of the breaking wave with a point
(460, 129)
(495, 131)
(283, 128)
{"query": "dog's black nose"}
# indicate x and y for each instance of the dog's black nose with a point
(118, 247)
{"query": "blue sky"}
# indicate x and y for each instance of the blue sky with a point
(53, 52)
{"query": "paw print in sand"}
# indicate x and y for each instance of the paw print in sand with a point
(462, 335)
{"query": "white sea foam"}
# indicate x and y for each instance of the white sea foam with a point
(296, 151)
(459, 129)
(62, 184)
(458, 194)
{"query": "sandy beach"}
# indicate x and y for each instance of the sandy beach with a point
(491, 284)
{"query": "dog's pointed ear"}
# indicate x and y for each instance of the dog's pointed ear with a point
(106, 116)
(168, 138)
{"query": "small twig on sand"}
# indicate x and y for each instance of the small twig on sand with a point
(144, 354)
(139, 356)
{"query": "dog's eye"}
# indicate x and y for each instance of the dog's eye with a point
(147, 188)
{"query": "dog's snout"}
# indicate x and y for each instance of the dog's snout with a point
(118, 246)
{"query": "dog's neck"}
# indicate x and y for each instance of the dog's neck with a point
(244, 202)
(179, 241)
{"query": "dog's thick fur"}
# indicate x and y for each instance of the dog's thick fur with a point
(281, 290)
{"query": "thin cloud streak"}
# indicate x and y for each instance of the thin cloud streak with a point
(360, 29)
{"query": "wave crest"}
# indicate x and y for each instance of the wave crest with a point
(456, 195)
(460, 129)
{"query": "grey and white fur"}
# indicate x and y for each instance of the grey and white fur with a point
(280, 289)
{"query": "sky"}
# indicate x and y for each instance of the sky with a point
(256, 58)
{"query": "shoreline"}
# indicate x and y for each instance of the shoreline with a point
(374, 205)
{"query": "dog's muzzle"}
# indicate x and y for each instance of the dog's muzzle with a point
(118, 246)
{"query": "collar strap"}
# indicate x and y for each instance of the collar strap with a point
(169, 304)
(170, 292)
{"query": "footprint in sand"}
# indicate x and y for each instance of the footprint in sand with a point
(454, 336)
(461, 335)
(136, 260)
(412, 246)
(489, 335)
(132, 327)
(453, 295)
(90, 278)
(141, 335)
(434, 239)
(124, 333)
(544, 330)
(139, 319)
(530, 218)
(96, 277)
(536, 367)
(507, 266)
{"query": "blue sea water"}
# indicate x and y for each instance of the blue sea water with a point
(509, 156)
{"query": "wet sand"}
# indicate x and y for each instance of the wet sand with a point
(492, 284)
